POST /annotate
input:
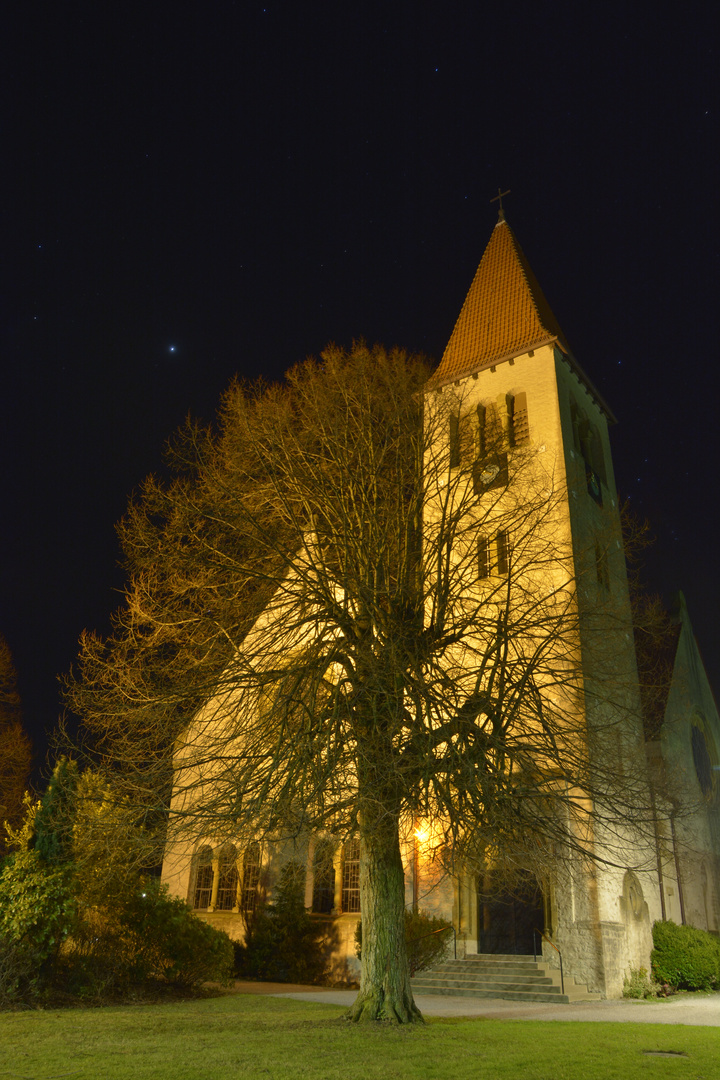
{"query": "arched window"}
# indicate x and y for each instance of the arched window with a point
(203, 879)
(323, 899)
(481, 431)
(227, 894)
(351, 876)
(251, 878)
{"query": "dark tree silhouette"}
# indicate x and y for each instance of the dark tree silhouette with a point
(346, 612)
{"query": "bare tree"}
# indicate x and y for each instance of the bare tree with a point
(350, 609)
(15, 747)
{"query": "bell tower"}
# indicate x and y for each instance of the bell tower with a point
(511, 368)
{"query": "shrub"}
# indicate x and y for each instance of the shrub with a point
(638, 984)
(163, 939)
(92, 927)
(37, 907)
(685, 957)
(19, 967)
(282, 942)
(426, 940)
(152, 936)
(37, 912)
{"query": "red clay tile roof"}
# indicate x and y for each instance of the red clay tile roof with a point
(505, 312)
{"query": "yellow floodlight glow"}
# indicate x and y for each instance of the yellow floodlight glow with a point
(422, 833)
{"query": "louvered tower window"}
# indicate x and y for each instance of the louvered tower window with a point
(519, 424)
(503, 552)
(462, 440)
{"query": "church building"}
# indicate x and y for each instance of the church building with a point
(509, 363)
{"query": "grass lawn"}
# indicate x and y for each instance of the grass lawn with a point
(251, 1036)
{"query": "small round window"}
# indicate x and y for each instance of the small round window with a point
(703, 764)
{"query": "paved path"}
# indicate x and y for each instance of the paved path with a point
(702, 1010)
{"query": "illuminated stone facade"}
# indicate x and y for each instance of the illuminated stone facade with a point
(508, 363)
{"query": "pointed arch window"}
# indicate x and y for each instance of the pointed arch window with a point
(503, 552)
(454, 441)
(494, 555)
(202, 879)
(597, 456)
(250, 878)
(481, 431)
(351, 876)
(588, 443)
(323, 898)
(227, 894)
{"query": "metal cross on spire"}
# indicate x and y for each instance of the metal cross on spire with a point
(499, 198)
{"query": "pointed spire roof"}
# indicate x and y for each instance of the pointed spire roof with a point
(505, 312)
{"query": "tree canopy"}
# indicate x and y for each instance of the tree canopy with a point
(346, 611)
(15, 747)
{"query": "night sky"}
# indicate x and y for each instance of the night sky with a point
(194, 190)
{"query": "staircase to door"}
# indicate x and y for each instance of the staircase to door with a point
(513, 978)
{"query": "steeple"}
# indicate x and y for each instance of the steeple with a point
(505, 312)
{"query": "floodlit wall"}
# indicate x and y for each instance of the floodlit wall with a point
(599, 915)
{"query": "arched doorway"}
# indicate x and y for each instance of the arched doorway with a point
(508, 917)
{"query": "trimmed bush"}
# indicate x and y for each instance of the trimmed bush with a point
(685, 957)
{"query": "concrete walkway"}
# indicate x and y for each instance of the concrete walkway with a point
(703, 1010)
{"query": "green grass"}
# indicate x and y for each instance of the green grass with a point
(252, 1037)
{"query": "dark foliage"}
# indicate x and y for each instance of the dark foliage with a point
(150, 937)
(53, 829)
(283, 942)
(20, 972)
(88, 926)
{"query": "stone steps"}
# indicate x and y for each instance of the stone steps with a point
(513, 978)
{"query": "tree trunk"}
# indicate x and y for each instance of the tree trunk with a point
(385, 992)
